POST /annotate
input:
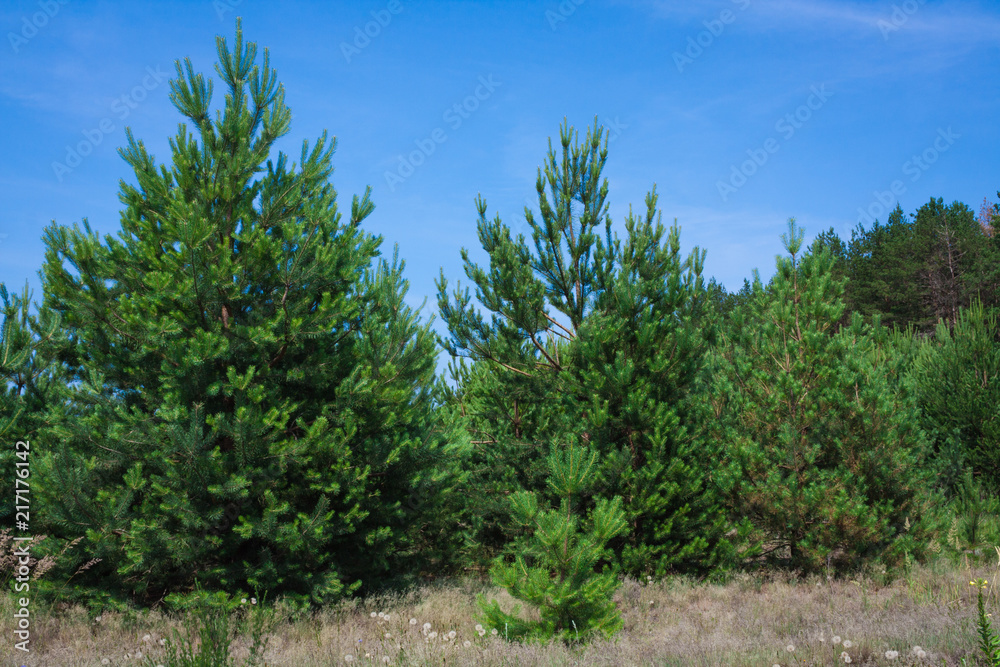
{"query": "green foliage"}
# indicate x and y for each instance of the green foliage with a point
(956, 381)
(821, 456)
(976, 513)
(28, 379)
(554, 565)
(917, 272)
(989, 642)
(253, 401)
(596, 339)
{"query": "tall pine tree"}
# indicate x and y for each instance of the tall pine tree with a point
(254, 400)
(821, 455)
(594, 339)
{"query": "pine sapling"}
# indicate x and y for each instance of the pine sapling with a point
(554, 568)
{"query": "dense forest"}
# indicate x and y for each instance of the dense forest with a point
(233, 395)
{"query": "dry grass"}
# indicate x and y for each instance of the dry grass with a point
(748, 621)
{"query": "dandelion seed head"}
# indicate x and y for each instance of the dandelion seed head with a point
(413, 621)
(348, 658)
(790, 648)
(466, 643)
(847, 643)
(373, 615)
(836, 639)
(891, 655)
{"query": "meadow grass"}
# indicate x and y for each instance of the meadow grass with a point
(773, 619)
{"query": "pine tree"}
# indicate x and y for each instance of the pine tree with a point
(591, 339)
(822, 457)
(553, 567)
(254, 399)
(956, 380)
(950, 241)
(29, 380)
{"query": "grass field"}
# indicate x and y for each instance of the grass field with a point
(745, 621)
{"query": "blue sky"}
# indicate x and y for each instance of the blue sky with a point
(742, 112)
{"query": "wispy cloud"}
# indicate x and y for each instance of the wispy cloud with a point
(967, 22)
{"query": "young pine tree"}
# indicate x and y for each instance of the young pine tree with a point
(821, 455)
(253, 408)
(553, 566)
(956, 380)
